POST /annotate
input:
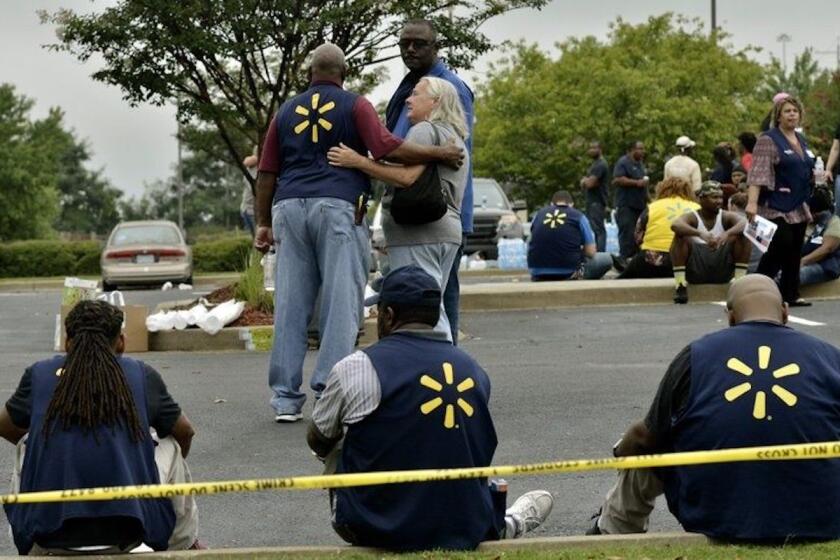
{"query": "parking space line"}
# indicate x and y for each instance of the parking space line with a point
(791, 318)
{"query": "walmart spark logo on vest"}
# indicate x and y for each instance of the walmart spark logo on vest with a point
(313, 117)
(676, 211)
(433, 404)
(555, 219)
(760, 399)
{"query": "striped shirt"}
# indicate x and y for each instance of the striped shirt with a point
(353, 392)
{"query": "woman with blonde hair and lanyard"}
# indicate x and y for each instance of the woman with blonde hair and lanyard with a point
(435, 113)
(780, 182)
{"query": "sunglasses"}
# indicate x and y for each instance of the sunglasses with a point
(418, 43)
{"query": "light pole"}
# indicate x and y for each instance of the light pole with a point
(179, 177)
(714, 15)
(784, 39)
(835, 52)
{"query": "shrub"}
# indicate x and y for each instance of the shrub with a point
(223, 255)
(250, 286)
(49, 258)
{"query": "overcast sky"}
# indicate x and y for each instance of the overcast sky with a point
(136, 145)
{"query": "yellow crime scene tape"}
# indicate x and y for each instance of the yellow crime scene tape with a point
(822, 450)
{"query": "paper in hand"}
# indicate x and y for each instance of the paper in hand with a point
(760, 232)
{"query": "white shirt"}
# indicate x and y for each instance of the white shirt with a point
(685, 168)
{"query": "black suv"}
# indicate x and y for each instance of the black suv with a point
(494, 218)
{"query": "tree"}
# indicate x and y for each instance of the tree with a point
(231, 63)
(28, 167)
(653, 82)
(822, 112)
(212, 193)
(87, 201)
(798, 81)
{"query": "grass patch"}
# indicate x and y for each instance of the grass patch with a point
(824, 551)
(262, 338)
(249, 286)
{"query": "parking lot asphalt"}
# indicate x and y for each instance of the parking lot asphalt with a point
(566, 382)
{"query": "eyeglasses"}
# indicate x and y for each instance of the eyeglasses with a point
(418, 43)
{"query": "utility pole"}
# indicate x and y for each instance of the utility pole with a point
(180, 178)
(714, 15)
(835, 52)
(784, 39)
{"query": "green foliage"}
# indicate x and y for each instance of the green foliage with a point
(224, 255)
(798, 81)
(653, 82)
(822, 112)
(49, 258)
(249, 287)
(28, 167)
(87, 201)
(231, 64)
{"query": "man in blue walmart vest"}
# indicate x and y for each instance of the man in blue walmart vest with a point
(82, 421)
(562, 244)
(756, 383)
(414, 401)
(318, 211)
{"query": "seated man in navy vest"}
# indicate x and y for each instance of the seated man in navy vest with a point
(414, 401)
(562, 245)
(821, 250)
(82, 421)
(756, 383)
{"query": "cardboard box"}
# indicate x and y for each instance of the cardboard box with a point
(134, 328)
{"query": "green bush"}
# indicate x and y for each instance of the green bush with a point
(223, 255)
(250, 286)
(49, 258)
(22, 259)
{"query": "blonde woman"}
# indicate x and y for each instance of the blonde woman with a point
(435, 113)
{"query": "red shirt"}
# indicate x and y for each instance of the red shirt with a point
(746, 161)
(373, 133)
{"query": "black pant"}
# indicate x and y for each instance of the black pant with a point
(626, 219)
(595, 211)
(639, 267)
(784, 253)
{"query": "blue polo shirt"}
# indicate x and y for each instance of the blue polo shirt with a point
(465, 94)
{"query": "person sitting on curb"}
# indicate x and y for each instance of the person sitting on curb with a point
(83, 421)
(653, 231)
(756, 383)
(709, 246)
(821, 251)
(562, 244)
(414, 401)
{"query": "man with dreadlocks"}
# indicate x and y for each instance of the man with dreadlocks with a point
(83, 420)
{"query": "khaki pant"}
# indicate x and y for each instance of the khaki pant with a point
(628, 504)
(172, 468)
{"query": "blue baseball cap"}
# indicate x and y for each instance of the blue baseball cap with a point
(408, 285)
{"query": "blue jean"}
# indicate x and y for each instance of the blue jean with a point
(322, 249)
(812, 274)
(248, 222)
(837, 194)
(452, 294)
(436, 259)
(597, 266)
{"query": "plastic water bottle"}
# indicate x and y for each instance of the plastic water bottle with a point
(819, 172)
(612, 235)
(268, 262)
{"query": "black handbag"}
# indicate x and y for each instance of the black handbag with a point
(425, 200)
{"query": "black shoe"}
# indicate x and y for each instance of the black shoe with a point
(681, 294)
(594, 529)
(800, 303)
(618, 263)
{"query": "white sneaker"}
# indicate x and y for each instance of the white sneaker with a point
(529, 511)
(288, 417)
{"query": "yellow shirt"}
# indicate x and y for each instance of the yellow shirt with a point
(661, 213)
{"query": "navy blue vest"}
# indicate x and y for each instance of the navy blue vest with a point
(308, 125)
(556, 239)
(70, 459)
(759, 384)
(432, 415)
(792, 174)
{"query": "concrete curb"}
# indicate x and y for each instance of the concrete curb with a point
(538, 543)
(577, 293)
(38, 284)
